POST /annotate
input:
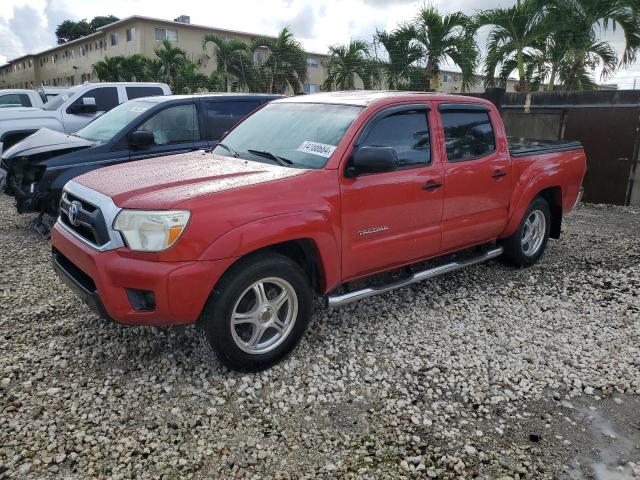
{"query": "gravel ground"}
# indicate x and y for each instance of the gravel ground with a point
(491, 372)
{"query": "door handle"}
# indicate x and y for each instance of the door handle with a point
(499, 174)
(431, 186)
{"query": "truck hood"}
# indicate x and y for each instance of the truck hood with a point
(22, 113)
(46, 143)
(167, 181)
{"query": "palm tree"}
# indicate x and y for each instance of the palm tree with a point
(403, 54)
(227, 53)
(347, 62)
(172, 59)
(514, 31)
(134, 68)
(108, 70)
(286, 61)
(440, 39)
(577, 27)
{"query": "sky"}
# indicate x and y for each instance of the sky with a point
(29, 26)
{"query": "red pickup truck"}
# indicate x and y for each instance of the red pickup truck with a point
(311, 195)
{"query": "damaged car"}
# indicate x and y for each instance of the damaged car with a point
(39, 166)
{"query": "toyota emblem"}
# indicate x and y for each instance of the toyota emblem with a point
(74, 210)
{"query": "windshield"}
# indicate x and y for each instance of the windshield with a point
(55, 102)
(306, 134)
(108, 124)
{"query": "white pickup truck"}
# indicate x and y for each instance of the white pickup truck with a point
(71, 111)
(20, 97)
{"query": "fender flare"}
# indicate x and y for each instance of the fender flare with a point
(525, 192)
(268, 231)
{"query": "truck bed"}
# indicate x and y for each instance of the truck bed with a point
(519, 147)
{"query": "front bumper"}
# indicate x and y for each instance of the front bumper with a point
(101, 279)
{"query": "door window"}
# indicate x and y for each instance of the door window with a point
(221, 116)
(16, 99)
(106, 98)
(407, 132)
(174, 125)
(468, 134)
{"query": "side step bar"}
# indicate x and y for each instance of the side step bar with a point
(344, 299)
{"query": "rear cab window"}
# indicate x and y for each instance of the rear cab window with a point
(21, 99)
(468, 131)
(139, 92)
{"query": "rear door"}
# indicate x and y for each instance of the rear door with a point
(393, 218)
(221, 115)
(478, 176)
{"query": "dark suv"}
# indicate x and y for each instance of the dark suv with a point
(40, 165)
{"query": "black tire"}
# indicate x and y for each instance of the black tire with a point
(515, 252)
(234, 288)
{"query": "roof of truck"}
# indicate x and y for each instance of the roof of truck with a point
(363, 98)
(228, 96)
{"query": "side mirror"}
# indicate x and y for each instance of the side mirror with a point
(373, 160)
(141, 138)
(88, 105)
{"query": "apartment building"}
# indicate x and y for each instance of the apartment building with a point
(72, 63)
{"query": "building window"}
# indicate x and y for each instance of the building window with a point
(114, 39)
(166, 34)
(257, 57)
(447, 78)
(312, 63)
(310, 88)
(83, 52)
(131, 34)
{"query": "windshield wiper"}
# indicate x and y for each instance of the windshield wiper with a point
(284, 162)
(226, 147)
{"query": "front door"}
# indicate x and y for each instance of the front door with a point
(175, 129)
(393, 218)
(105, 99)
(477, 176)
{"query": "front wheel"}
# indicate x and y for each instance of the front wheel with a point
(528, 242)
(258, 312)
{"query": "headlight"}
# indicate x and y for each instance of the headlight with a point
(151, 230)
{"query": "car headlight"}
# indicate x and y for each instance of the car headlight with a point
(151, 230)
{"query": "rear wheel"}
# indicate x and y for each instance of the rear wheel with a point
(528, 242)
(258, 312)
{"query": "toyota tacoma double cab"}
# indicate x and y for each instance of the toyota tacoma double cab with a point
(319, 195)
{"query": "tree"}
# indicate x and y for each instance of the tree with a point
(101, 21)
(286, 61)
(440, 39)
(70, 30)
(172, 58)
(514, 31)
(228, 54)
(109, 69)
(399, 69)
(347, 62)
(577, 47)
(134, 68)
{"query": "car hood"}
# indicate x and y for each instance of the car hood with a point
(46, 141)
(167, 181)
